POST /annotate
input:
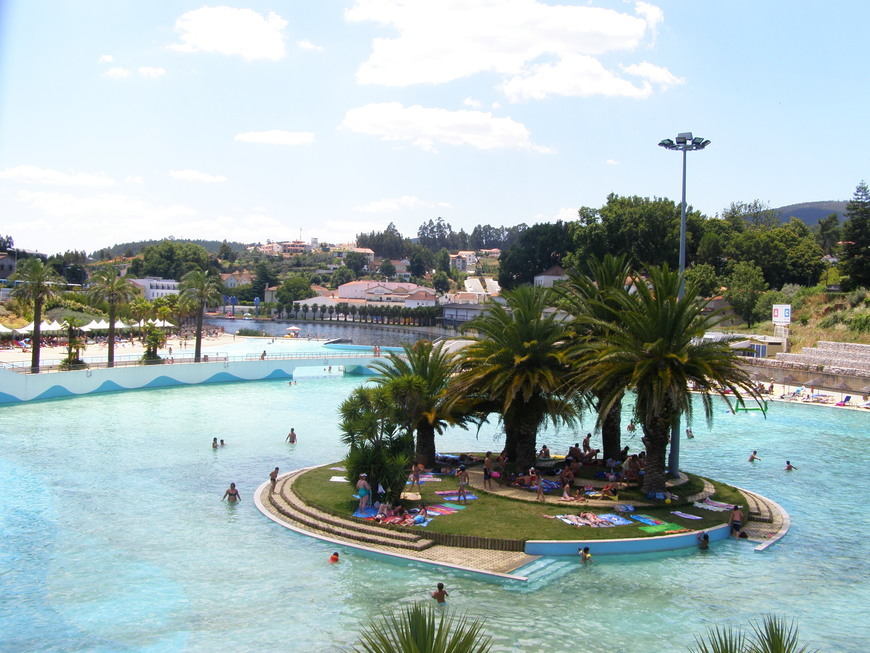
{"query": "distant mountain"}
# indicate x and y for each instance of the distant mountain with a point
(211, 245)
(811, 212)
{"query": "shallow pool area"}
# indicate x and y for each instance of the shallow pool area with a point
(113, 536)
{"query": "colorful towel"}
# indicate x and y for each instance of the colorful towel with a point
(660, 528)
(438, 509)
(616, 520)
(624, 508)
(684, 515)
(454, 506)
(648, 520)
(452, 496)
(718, 504)
(369, 512)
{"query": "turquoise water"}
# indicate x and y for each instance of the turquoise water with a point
(113, 536)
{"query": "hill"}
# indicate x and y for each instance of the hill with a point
(811, 212)
(212, 246)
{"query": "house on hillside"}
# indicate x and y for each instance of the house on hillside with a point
(235, 279)
(7, 266)
(457, 314)
(550, 277)
(372, 290)
(422, 297)
(153, 287)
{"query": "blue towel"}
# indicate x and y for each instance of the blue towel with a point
(616, 520)
(368, 512)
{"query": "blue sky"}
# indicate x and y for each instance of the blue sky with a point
(122, 120)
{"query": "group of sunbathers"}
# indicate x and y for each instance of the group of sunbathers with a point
(388, 514)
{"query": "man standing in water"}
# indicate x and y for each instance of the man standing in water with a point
(291, 436)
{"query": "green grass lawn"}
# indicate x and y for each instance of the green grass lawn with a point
(502, 517)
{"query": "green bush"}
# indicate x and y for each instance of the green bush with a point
(250, 332)
(860, 323)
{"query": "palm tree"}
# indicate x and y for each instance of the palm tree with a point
(371, 426)
(773, 635)
(516, 366)
(107, 286)
(353, 309)
(654, 344)
(593, 296)
(140, 308)
(38, 283)
(423, 629)
(417, 381)
(203, 289)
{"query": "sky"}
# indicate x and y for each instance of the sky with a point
(126, 120)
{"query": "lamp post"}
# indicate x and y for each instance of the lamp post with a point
(685, 142)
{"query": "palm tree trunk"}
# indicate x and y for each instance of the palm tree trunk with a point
(111, 354)
(526, 421)
(35, 336)
(656, 433)
(611, 431)
(197, 350)
(425, 443)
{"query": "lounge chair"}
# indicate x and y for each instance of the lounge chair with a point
(845, 401)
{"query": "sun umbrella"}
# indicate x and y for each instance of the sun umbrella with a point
(166, 324)
(4, 329)
(93, 324)
(102, 324)
(46, 326)
(27, 328)
(293, 328)
(120, 325)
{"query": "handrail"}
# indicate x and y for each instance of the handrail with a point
(182, 359)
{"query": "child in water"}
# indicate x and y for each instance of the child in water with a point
(440, 595)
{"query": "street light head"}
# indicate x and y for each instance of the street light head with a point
(683, 137)
(705, 143)
(667, 143)
(697, 140)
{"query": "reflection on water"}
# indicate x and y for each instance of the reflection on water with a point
(359, 333)
(113, 536)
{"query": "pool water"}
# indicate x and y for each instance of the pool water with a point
(113, 536)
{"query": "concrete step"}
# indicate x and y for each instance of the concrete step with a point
(287, 493)
(350, 530)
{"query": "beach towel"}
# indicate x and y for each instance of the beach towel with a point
(718, 504)
(616, 520)
(337, 469)
(660, 528)
(648, 520)
(454, 506)
(707, 506)
(338, 479)
(455, 497)
(571, 520)
(438, 509)
(624, 507)
(684, 515)
(411, 496)
(369, 512)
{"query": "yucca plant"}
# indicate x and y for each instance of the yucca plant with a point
(773, 635)
(423, 629)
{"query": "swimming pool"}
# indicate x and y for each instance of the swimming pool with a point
(113, 536)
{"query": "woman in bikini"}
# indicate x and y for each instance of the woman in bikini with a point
(232, 494)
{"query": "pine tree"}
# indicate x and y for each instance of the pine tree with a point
(856, 237)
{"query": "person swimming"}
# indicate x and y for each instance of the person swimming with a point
(440, 595)
(333, 558)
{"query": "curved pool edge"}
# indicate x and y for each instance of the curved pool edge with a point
(368, 550)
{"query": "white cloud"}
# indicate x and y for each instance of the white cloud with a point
(130, 179)
(573, 75)
(44, 177)
(425, 127)
(533, 46)
(653, 74)
(398, 204)
(106, 58)
(305, 44)
(117, 73)
(276, 137)
(148, 71)
(612, 162)
(225, 30)
(471, 102)
(196, 175)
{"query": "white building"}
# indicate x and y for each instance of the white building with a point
(152, 288)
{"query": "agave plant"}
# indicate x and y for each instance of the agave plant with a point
(423, 629)
(773, 635)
